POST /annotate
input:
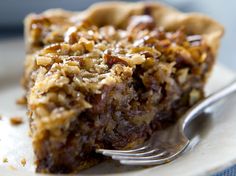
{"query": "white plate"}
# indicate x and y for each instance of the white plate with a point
(215, 151)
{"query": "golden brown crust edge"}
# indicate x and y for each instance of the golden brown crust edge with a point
(52, 13)
(117, 13)
(167, 17)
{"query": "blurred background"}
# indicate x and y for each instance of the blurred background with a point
(12, 13)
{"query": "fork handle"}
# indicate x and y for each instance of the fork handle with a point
(206, 102)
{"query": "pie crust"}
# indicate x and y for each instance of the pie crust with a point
(110, 76)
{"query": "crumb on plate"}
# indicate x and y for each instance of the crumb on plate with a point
(29, 133)
(12, 167)
(16, 120)
(5, 160)
(21, 101)
(23, 162)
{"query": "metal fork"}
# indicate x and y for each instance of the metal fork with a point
(166, 145)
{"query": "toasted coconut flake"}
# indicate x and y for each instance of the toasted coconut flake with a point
(195, 95)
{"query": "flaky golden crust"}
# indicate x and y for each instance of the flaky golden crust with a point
(117, 14)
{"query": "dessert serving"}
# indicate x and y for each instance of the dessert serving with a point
(110, 76)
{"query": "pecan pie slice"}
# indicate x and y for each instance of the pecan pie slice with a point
(110, 76)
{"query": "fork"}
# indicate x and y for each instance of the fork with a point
(168, 144)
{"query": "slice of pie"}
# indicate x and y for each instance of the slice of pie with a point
(110, 76)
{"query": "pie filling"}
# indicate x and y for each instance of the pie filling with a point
(90, 86)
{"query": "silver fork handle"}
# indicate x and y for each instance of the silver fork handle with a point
(206, 102)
